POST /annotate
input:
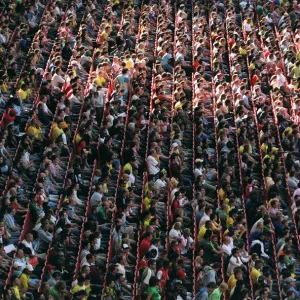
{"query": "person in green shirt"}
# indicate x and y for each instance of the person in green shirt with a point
(153, 289)
(58, 290)
(217, 293)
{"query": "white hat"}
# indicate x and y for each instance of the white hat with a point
(17, 264)
(174, 145)
(29, 267)
(125, 246)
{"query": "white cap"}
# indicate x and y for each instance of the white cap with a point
(174, 145)
(125, 246)
(29, 267)
(17, 264)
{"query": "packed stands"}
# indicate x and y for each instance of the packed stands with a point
(149, 149)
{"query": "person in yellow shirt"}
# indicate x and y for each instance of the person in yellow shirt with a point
(80, 286)
(129, 62)
(25, 278)
(237, 275)
(128, 166)
(231, 218)
(242, 49)
(208, 225)
(147, 199)
(15, 281)
(79, 135)
(57, 131)
(100, 80)
(147, 219)
(296, 70)
(4, 87)
(35, 130)
(105, 34)
(22, 92)
(255, 272)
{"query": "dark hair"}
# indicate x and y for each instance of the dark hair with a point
(151, 262)
(153, 281)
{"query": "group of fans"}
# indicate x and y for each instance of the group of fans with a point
(149, 149)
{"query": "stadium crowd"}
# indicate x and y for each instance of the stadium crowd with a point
(149, 149)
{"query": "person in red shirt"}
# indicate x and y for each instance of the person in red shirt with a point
(8, 117)
(175, 204)
(163, 275)
(255, 77)
(145, 244)
(82, 144)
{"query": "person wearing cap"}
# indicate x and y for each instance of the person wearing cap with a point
(17, 268)
(198, 167)
(291, 284)
(146, 275)
(26, 282)
(54, 278)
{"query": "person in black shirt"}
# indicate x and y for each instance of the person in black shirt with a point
(66, 52)
(106, 154)
(111, 274)
(116, 131)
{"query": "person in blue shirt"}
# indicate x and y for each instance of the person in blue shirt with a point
(205, 292)
(23, 43)
(165, 61)
(291, 283)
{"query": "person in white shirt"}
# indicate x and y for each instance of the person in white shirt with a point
(281, 80)
(28, 242)
(227, 245)
(153, 164)
(186, 241)
(121, 265)
(161, 182)
(57, 78)
(198, 167)
(175, 233)
(97, 195)
(89, 260)
(235, 261)
(97, 99)
(247, 25)
(206, 217)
